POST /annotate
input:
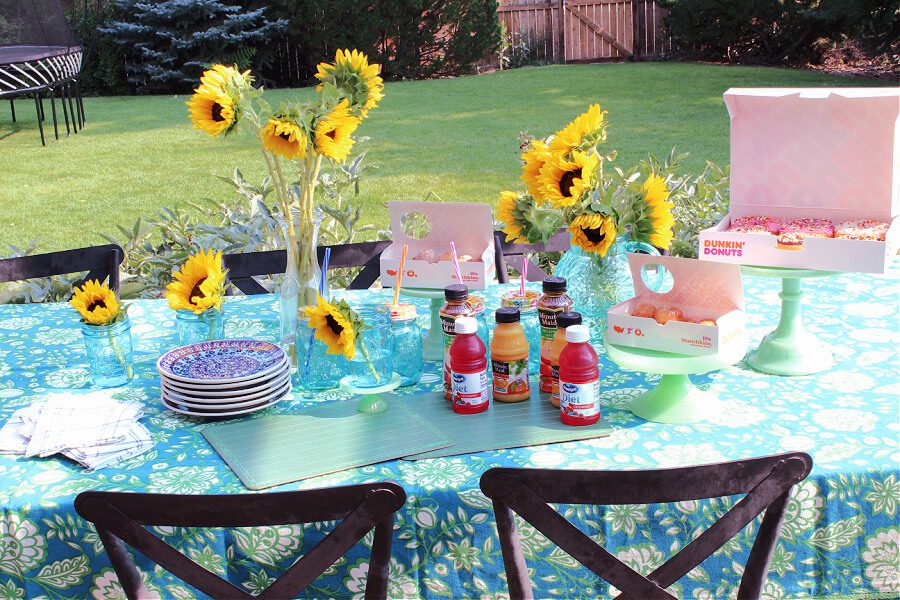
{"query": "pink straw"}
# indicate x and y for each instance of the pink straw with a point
(524, 275)
(455, 262)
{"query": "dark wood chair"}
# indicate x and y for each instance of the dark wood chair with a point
(100, 262)
(243, 267)
(121, 518)
(503, 251)
(766, 481)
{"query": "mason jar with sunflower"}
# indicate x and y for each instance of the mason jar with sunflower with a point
(107, 334)
(197, 295)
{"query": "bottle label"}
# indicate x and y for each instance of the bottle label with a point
(510, 378)
(470, 389)
(547, 319)
(448, 326)
(554, 382)
(546, 379)
(580, 400)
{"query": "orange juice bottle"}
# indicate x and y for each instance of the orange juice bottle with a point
(553, 302)
(563, 320)
(509, 357)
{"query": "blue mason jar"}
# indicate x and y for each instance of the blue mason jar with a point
(205, 327)
(373, 364)
(316, 369)
(408, 361)
(109, 352)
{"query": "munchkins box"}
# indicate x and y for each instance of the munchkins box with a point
(468, 226)
(701, 289)
(827, 153)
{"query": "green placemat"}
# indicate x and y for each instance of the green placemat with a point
(275, 449)
(529, 423)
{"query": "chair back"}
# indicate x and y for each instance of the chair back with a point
(766, 481)
(504, 253)
(122, 518)
(100, 262)
(243, 267)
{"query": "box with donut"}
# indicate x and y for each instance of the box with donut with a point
(815, 180)
(428, 228)
(681, 305)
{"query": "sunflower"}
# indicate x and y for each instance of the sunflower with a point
(533, 160)
(220, 78)
(656, 193)
(333, 326)
(284, 137)
(199, 284)
(593, 232)
(96, 303)
(506, 212)
(355, 78)
(212, 110)
(333, 132)
(564, 182)
(587, 129)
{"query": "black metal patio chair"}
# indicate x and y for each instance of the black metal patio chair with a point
(100, 263)
(503, 251)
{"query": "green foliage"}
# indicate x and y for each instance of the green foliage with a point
(515, 50)
(103, 71)
(700, 201)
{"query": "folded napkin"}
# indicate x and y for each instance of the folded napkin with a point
(92, 429)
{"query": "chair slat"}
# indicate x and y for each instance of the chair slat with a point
(100, 262)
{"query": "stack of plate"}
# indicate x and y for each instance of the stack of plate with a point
(223, 378)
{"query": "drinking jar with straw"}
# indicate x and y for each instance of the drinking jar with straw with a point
(408, 360)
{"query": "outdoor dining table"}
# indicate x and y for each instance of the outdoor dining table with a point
(840, 534)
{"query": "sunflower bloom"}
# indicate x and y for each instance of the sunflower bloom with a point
(212, 110)
(656, 194)
(333, 328)
(221, 78)
(96, 303)
(593, 233)
(533, 160)
(199, 284)
(506, 213)
(284, 137)
(355, 78)
(333, 132)
(564, 182)
(585, 130)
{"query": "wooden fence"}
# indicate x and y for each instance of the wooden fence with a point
(584, 30)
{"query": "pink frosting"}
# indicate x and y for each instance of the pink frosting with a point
(756, 224)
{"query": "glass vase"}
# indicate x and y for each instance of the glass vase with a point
(109, 352)
(316, 370)
(373, 364)
(408, 350)
(299, 285)
(597, 283)
(205, 327)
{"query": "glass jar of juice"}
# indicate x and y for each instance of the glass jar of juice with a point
(509, 358)
(563, 320)
(553, 301)
(456, 305)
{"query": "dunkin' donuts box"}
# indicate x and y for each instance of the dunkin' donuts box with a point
(701, 290)
(428, 228)
(820, 153)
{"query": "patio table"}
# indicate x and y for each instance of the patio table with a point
(840, 535)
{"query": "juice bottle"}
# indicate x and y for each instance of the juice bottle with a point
(456, 305)
(579, 379)
(551, 303)
(468, 368)
(509, 358)
(563, 320)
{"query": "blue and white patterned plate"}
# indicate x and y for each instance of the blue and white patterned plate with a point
(221, 361)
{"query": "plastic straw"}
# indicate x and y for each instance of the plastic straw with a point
(399, 280)
(455, 262)
(524, 275)
(325, 261)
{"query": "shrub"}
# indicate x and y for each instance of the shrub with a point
(103, 70)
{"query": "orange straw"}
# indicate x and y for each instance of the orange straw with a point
(399, 280)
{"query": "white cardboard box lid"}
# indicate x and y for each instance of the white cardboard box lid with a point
(827, 152)
(699, 283)
(470, 226)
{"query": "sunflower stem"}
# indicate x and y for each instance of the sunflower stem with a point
(365, 353)
(120, 356)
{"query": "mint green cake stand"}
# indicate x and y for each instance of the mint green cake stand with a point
(790, 349)
(433, 342)
(371, 399)
(675, 399)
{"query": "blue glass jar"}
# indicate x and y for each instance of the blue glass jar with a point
(205, 327)
(408, 361)
(316, 369)
(109, 352)
(373, 364)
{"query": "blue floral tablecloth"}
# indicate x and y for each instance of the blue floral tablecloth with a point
(840, 535)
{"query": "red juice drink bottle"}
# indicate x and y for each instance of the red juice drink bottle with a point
(579, 379)
(468, 368)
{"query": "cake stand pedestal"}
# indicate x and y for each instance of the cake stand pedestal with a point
(675, 399)
(433, 342)
(790, 349)
(370, 398)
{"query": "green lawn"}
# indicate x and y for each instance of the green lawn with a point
(456, 137)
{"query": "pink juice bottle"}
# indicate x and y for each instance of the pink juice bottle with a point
(579, 379)
(468, 368)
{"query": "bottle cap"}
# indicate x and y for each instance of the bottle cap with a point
(456, 291)
(465, 325)
(554, 284)
(507, 314)
(576, 333)
(567, 319)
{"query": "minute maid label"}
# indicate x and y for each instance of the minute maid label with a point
(547, 318)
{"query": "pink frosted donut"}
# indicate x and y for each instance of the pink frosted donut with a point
(866, 229)
(755, 224)
(794, 232)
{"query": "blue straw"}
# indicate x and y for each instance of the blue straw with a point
(324, 271)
